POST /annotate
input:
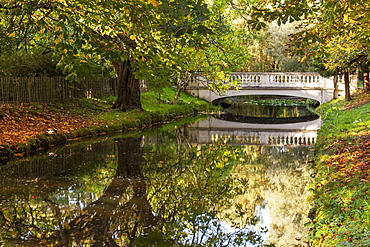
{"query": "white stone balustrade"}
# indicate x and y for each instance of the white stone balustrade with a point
(301, 80)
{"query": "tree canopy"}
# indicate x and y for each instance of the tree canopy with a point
(149, 40)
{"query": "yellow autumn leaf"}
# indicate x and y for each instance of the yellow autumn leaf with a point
(67, 226)
(154, 3)
(301, 60)
(83, 61)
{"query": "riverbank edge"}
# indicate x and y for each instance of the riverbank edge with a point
(340, 201)
(134, 119)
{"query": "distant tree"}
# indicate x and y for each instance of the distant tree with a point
(27, 64)
(278, 36)
(265, 41)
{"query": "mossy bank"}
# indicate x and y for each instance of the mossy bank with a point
(93, 117)
(341, 191)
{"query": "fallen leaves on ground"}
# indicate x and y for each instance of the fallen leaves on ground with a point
(20, 123)
(351, 159)
(360, 98)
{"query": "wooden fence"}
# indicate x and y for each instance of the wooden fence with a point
(18, 90)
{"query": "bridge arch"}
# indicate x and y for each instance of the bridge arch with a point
(317, 95)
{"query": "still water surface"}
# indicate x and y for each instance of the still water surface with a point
(160, 188)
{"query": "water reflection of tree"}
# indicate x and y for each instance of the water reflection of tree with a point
(123, 203)
(277, 177)
(170, 196)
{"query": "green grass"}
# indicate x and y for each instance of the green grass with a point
(341, 123)
(153, 101)
(157, 108)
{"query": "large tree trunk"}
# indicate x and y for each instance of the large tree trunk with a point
(366, 69)
(347, 89)
(335, 81)
(128, 87)
(367, 80)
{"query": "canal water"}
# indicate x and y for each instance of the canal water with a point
(193, 184)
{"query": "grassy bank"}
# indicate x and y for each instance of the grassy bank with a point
(341, 191)
(24, 129)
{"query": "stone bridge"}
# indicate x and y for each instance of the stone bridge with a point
(300, 84)
(234, 133)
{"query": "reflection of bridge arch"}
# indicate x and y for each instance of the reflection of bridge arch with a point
(212, 129)
(306, 85)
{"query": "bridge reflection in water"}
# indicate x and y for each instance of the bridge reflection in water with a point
(237, 133)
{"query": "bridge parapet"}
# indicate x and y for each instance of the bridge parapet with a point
(285, 80)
